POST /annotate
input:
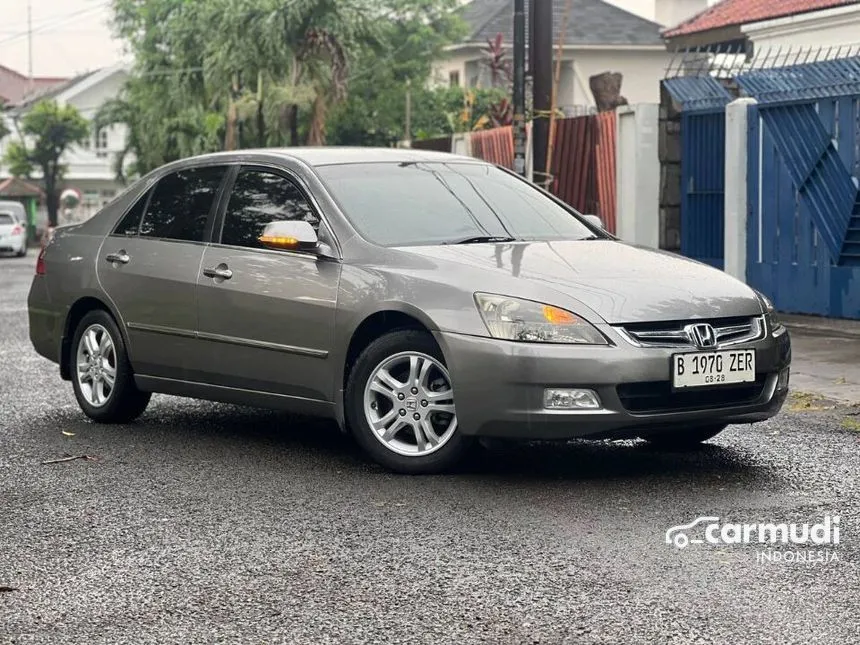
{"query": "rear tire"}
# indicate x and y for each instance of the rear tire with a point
(400, 384)
(686, 438)
(101, 373)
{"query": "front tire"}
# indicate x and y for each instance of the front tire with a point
(101, 373)
(23, 252)
(399, 405)
(684, 438)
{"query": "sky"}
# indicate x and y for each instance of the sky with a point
(69, 36)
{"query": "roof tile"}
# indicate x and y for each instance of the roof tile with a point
(591, 22)
(738, 12)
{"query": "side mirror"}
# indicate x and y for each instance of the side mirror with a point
(289, 235)
(594, 220)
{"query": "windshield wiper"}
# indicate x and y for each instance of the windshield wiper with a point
(589, 237)
(481, 239)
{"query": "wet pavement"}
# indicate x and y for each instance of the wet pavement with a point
(205, 523)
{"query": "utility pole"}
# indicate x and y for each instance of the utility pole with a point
(408, 132)
(30, 45)
(519, 120)
(542, 86)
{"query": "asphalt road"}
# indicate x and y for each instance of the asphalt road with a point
(205, 523)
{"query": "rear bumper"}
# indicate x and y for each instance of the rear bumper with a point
(46, 324)
(13, 244)
(499, 388)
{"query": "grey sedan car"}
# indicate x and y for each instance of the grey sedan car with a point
(419, 299)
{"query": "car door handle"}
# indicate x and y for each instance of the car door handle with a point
(120, 257)
(221, 271)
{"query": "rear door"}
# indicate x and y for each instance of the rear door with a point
(149, 265)
(269, 326)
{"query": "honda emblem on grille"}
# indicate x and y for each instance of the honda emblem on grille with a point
(702, 335)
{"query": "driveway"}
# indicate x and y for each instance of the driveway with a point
(206, 523)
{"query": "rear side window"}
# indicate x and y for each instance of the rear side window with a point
(130, 223)
(180, 205)
(260, 197)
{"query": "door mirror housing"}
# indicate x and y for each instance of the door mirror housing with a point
(289, 235)
(594, 220)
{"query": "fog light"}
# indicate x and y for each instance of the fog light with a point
(782, 379)
(570, 400)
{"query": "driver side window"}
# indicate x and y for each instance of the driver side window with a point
(258, 198)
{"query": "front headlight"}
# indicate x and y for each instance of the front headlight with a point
(533, 322)
(772, 320)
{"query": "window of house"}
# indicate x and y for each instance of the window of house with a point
(181, 204)
(454, 78)
(102, 142)
(260, 197)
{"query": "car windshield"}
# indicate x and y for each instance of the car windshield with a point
(6, 219)
(409, 203)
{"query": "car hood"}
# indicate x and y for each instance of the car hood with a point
(620, 282)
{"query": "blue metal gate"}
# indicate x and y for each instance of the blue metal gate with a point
(803, 224)
(703, 153)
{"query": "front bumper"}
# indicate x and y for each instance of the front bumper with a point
(499, 388)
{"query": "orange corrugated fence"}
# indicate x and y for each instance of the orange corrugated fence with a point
(494, 146)
(583, 161)
(583, 165)
(604, 153)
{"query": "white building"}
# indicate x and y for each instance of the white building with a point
(833, 29)
(600, 37)
(90, 168)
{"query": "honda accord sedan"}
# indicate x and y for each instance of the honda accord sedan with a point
(419, 299)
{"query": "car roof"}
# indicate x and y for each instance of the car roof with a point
(331, 155)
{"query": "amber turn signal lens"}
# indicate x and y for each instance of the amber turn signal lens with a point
(557, 316)
(278, 242)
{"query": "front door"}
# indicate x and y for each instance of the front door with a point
(265, 317)
(149, 265)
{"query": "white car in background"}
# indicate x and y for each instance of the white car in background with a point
(13, 229)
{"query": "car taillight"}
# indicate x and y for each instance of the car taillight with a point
(40, 263)
(17, 230)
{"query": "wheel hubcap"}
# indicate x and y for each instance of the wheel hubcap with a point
(96, 365)
(409, 404)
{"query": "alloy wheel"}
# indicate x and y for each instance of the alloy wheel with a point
(409, 404)
(96, 365)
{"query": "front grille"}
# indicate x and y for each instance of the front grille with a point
(729, 332)
(658, 396)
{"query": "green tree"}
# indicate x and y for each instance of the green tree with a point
(226, 74)
(47, 130)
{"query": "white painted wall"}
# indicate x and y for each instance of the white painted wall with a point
(818, 29)
(735, 232)
(453, 62)
(637, 164)
(642, 69)
(665, 12)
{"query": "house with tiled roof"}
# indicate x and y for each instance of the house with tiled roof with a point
(90, 167)
(15, 87)
(755, 25)
(600, 36)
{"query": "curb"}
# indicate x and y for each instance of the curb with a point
(822, 330)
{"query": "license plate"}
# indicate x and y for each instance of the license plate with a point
(713, 368)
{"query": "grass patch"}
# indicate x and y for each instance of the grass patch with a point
(807, 402)
(852, 424)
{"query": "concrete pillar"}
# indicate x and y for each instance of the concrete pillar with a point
(735, 231)
(637, 168)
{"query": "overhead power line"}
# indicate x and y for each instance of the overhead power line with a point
(56, 23)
